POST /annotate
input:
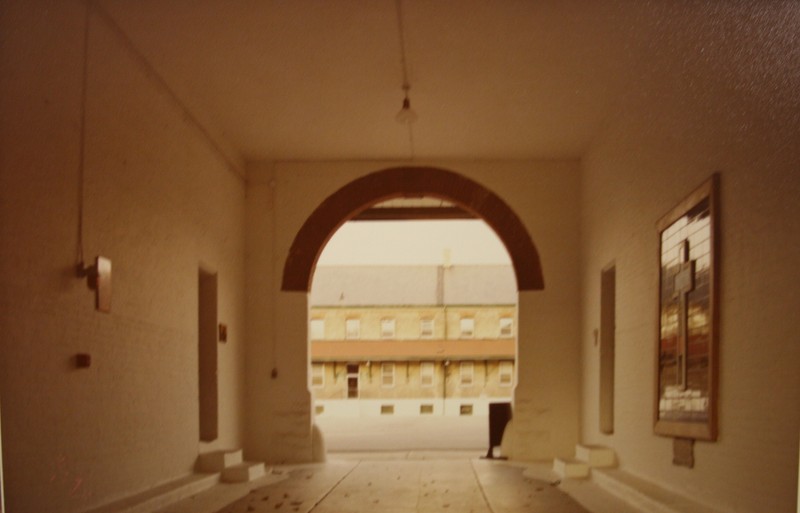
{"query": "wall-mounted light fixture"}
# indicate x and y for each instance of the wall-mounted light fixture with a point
(98, 278)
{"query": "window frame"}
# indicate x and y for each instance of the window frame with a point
(423, 375)
(423, 333)
(463, 373)
(466, 320)
(384, 374)
(352, 334)
(510, 373)
(320, 374)
(510, 332)
(319, 329)
(388, 334)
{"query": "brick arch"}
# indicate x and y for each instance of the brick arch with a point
(373, 188)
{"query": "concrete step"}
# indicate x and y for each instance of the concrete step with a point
(570, 468)
(645, 495)
(161, 496)
(596, 455)
(217, 461)
(243, 472)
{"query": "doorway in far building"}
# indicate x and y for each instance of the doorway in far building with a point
(352, 381)
(412, 324)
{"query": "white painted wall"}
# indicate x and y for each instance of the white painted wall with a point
(718, 94)
(160, 201)
(280, 198)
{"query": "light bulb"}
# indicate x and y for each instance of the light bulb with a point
(406, 115)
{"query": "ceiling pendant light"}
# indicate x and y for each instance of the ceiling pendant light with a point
(406, 115)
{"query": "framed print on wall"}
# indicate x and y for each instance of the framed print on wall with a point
(687, 351)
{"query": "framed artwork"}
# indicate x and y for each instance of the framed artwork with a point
(688, 312)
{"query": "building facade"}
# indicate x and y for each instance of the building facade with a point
(429, 344)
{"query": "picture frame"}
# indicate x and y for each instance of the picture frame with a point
(687, 347)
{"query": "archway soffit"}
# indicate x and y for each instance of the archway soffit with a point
(410, 182)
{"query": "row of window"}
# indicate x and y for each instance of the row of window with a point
(426, 325)
(388, 409)
(466, 371)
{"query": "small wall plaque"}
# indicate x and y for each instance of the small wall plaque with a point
(683, 452)
(83, 360)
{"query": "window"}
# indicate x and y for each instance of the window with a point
(352, 328)
(426, 328)
(317, 329)
(387, 328)
(506, 374)
(466, 370)
(506, 327)
(387, 374)
(387, 409)
(426, 374)
(319, 409)
(317, 375)
(425, 409)
(467, 326)
(465, 409)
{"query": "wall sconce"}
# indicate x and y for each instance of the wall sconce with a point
(98, 278)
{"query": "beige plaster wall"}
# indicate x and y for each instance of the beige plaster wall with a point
(160, 201)
(719, 93)
(280, 198)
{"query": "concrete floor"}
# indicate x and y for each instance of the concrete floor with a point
(404, 465)
(405, 482)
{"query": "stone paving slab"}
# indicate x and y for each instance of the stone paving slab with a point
(408, 485)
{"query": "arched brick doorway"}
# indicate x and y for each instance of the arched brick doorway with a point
(373, 188)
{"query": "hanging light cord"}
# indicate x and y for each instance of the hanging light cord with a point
(401, 33)
(403, 62)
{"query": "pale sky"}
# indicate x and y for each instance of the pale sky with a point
(414, 243)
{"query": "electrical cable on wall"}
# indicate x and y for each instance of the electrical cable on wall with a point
(82, 141)
(273, 224)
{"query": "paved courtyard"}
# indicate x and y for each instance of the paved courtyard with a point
(394, 433)
(445, 483)
(406, 465)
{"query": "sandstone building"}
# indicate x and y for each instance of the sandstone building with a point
(412, 340)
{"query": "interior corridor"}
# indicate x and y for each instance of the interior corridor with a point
(405, 482)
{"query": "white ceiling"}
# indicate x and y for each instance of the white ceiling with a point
(314, 79)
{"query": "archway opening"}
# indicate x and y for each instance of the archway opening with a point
(361, 195)
(412, 328)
